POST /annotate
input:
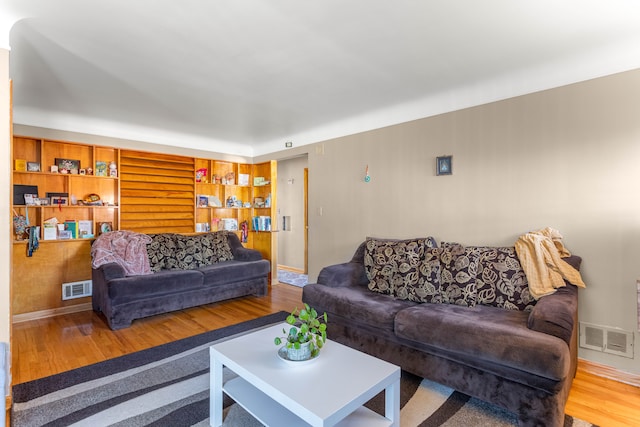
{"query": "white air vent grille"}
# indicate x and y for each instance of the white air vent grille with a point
(607, 340)
(76, 289)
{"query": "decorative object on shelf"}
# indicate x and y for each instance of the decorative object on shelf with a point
(306, 336)
(244, 227)
(101, 168)
(258, 181)
(30, 199)
(72, 226)
(33, 167)
(33, 244)
(201, 175)
(83, 171)
(113, 169)
(229, 179)
(367, 178)
(203, 201)
(53, 169)
(21, 165)
(267, 202)
(68, 166)
(444, 165)
(20, 224)
(89, 171)
(105, 227)
(20, 190)
(243, 179)
(258, 202)
(93, 199)
(59, 201)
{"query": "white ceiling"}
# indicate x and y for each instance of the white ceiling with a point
(243, 77)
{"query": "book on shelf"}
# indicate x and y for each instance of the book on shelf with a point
(72, 226)
(85, 229)
(243, 179)
(261, 223)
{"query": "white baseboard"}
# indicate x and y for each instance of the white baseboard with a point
(42, 314)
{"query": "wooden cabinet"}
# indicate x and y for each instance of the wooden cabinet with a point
(64, 196)
(228, 197)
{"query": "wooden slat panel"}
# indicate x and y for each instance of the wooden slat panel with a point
(150, 201)
(160, 193)
(157, 192)
(144, 216)
(154, 186)
(156, 208)
(130, 177)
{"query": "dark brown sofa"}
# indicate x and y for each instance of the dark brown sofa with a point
(187, 272)
(521, 360)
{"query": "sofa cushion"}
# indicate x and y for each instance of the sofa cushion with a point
(394, 263)
(459, 270)
(356, 304)
(426, 287)
(225, 272)
(217, 246)
(133, 288)
(493, 336)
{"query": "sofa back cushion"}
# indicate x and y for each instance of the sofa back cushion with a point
(170, 251)
(392, 264)
(426, 287)
(499, 278)
(459, 271)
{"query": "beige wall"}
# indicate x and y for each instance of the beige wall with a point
(291, 203)
(567, 158)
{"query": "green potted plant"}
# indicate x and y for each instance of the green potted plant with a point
(307, 334)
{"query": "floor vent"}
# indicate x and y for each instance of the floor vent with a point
(607, 340)
(76, 289)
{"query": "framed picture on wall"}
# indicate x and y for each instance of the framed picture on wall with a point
(443, 165)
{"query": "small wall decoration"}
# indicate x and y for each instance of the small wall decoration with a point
(443, 165)
(68, 166)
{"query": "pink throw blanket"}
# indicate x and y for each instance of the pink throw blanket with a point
(126, 248)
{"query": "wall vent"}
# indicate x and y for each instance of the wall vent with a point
(76, 289)
(607, 340)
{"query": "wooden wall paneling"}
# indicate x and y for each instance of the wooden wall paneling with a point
(157, 192)
(37, 280)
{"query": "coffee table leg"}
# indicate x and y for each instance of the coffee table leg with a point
(215, 392)
(392, 403)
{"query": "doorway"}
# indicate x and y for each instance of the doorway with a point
(293, 214)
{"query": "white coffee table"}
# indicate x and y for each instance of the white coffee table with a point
(327, 391)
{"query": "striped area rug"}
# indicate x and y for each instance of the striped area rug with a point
(168, 386)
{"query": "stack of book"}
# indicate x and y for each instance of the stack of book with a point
(262, 223)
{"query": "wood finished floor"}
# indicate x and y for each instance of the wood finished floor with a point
(49, 346)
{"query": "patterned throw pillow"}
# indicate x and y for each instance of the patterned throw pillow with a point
(427, 286)
(161, 248)
(392, 264)
(458, 275)
(501, 280)
(171, 251)
(218, 244)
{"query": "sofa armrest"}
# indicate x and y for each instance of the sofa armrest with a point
(246, 254)
(556, 314)
(346, 274)
(111, 271)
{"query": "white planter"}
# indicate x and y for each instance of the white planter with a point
(303, 353)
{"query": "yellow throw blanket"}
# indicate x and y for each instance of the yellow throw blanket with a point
(541, 254)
